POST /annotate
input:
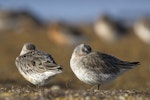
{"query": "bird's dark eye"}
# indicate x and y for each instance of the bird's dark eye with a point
(30, 47)
(86, 49)
(24, 56)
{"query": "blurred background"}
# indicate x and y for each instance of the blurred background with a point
(120, 28)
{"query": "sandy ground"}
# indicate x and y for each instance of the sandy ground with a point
(56, 93)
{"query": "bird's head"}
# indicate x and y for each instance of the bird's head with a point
(27, 47)
(82, 49)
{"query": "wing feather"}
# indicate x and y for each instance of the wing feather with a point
(37, 62)
(104, 63)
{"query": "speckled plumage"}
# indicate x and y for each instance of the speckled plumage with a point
(96, 67)
(36, 66)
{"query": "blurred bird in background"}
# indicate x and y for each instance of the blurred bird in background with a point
(142, 29)
(109, 29)
(65, 34)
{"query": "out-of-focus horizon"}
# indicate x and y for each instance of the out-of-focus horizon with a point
(77, 11)
(120, 28)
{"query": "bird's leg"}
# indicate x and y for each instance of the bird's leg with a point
(28, 86)
(68, 84)
(98, 87)
(92, 88)
(37, 87)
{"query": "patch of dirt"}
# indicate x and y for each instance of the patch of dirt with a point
(57, 93)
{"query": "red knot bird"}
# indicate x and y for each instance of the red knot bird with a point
(95, 67)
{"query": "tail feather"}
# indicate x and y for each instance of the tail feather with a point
(128, 65)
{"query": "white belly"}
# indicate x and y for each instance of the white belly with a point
(39, 78)
(89, 76)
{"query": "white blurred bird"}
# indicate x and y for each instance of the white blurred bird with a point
(142, 29)
(108, 29)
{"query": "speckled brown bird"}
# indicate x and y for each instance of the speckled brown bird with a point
(36, 66)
